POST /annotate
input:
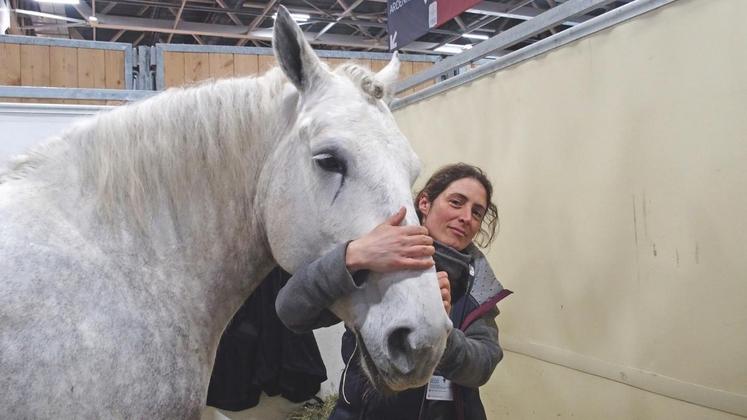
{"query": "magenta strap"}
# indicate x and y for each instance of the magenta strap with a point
(484, 308)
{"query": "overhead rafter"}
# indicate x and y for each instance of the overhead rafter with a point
(176, 20)
(345, 12)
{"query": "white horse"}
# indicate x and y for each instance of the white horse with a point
(127, 243)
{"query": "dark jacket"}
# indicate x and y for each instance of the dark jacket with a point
(472, 349)
(258, 353)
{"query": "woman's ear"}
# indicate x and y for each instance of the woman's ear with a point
(424, 205)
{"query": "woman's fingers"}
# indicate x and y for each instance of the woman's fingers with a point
(414, 263)
(445, 286)
(414, 230)
(419, 251)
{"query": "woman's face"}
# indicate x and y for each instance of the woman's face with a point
(455, 216)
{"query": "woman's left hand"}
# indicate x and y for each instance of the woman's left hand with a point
(445, 286)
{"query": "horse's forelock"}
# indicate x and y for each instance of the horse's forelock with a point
(364, 79)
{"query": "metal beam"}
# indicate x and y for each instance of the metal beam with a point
(344, 13)
(47, 16)
(176, 20)
(355, 18)
(609, 19)
(73, 93)
(521, 13)
(262, 15)
(108, 8)
(231, 16)
(117, 35)
(507, 38)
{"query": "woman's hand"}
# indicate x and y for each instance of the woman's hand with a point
(445, 286)
(391, 247)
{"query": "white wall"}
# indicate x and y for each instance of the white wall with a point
(23, 125)
(619, 168)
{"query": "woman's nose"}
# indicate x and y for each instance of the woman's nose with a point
(465, 216)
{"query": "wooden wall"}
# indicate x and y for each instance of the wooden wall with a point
(182, 68)
(51, 66)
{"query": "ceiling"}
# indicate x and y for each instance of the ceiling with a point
(357, 25)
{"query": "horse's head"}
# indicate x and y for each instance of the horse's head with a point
(341, 168)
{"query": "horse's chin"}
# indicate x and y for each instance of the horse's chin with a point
(378, 378)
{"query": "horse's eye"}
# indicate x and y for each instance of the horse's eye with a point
(330, 163)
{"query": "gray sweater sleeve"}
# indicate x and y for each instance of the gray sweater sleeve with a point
(472, 355)
(302, 303)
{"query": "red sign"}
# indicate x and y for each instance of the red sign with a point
(449, 9)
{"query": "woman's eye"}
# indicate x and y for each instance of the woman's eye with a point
(330, 163)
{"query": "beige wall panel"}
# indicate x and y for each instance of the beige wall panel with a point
(196, 67)
(63, 69)
(173, 65)
(524, 388)
(619, 169)
(266, 62)
(10, 67)
(221, 66)
(34, 67)
(245, 64)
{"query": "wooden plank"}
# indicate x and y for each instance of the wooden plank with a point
(405, 71)
(91, 71)
(115, 77)
(417, 67)
(245, 65)
(10, 64)
(334, 62)
(35, 68)
(173, 69)
(196, 67)
(266, 62)
(377, 65)
(63, 69)
(221, 66)
(10, 67)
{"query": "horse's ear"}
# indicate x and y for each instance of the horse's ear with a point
(294, 54)
(388, 77)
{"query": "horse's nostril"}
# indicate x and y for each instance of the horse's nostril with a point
(401, 349)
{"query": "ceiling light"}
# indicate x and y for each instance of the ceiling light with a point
(93, 19)
(453, 48)
(475, 36)
(59, 1)
(298, 17)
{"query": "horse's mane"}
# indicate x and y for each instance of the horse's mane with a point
(160, 148)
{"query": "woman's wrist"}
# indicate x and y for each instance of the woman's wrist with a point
(353, 260)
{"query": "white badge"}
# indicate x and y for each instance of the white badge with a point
(471, 270)
(439, 389)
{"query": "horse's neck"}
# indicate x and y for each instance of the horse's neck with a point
(177, 176)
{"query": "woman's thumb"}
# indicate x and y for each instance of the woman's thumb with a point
(397, 218)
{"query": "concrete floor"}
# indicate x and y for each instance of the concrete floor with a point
(269, 408)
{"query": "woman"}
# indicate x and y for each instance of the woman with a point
(454, 208)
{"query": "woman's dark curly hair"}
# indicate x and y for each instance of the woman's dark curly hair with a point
(440, 180)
